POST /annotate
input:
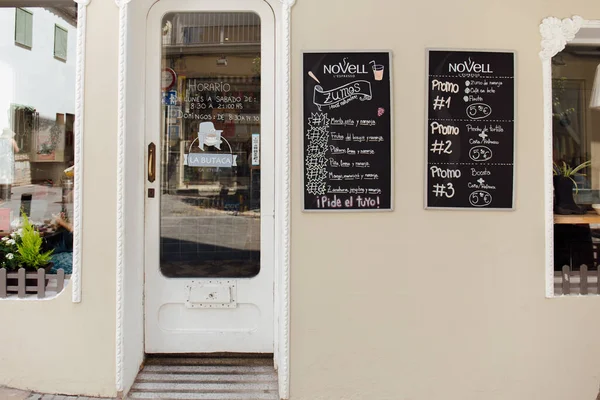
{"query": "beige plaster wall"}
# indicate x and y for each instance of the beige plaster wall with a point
(419, 304)
(57, 346)
(411, 304)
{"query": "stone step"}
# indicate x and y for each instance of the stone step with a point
(201, 385)
(206, 378)
(209, 369)
(203, 396)
(183, 377)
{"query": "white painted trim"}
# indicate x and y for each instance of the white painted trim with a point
(119, 356)
(282, 193)
(79, 114)
(556, 33)
(282, 203)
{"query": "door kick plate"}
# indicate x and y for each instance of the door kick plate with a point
(211, 294)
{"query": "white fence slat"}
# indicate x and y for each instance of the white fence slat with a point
(60, 280)
(41, 283)
(21, 282)
(566, 279)
(2, 283)
(583, 279)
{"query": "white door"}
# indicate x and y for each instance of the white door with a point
(210, 179)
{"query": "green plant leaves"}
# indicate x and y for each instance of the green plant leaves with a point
(29, 248)
(569, 172)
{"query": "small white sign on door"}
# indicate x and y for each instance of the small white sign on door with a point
(210, 160)
(255, 149)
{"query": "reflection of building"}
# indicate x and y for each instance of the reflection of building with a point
(37, 61)
(216, 58)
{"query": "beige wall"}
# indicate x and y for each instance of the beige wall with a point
(58, 346)
(411, 304)
(419, 304)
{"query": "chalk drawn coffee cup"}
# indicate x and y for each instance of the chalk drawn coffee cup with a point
(378, 72)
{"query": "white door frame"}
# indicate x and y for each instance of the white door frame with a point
(129, 351)
(252, 294)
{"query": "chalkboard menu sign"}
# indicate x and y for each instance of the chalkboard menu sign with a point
(347, 134)
(470, 129)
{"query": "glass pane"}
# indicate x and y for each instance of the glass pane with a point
(21, 27)
(37, 117)
(28, 29)
(209, 150)
(60, 43)
(575, 135)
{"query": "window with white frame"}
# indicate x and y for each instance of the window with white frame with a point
(37, 150)
(576, 168)
(60, 42)
(24, 28)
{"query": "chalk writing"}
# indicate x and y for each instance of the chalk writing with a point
(347, 131)
(470, 129)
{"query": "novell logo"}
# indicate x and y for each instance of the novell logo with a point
(345, 68)
(470, 67)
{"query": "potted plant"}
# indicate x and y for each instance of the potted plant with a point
(23, 249)
(564, 183)
(29, 248)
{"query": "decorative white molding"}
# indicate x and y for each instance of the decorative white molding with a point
(556, 33)
(78, 178)
(282, 300)
(282, 201)
(121, 191)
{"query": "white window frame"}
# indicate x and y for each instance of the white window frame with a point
(27, 46)
(57, 28)
(556, 33)
(78, 133)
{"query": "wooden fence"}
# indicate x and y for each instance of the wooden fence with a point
(23, 283)
(572, 282)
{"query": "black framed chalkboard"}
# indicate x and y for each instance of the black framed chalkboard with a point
(470, 129)
(347, 137)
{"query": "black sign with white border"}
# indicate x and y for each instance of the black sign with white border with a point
(347, 131)
(470, 129)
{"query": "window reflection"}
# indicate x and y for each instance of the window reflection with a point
(37, 118)
(210, 201)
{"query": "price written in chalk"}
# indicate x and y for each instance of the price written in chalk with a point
(470, 129)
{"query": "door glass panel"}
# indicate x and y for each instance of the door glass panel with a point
(210, 145)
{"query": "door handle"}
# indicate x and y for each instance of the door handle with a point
(151, 162)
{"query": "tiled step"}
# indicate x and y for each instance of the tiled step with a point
(201, 385)
(206, 378)
(208, 369)
(203, 396)
(246, 362)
